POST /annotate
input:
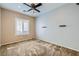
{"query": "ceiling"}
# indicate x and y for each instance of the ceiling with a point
(19, 7)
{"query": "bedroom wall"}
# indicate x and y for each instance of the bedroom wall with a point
(8, 27)
(0, 26)
(65, 36)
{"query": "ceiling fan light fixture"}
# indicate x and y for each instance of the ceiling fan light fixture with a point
(34, 12)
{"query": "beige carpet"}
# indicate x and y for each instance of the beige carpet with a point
(35, 48)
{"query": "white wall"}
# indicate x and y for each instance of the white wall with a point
(64, 36)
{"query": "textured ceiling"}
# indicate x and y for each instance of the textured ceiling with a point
(19, 7)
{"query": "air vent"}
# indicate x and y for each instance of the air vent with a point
(62, 25)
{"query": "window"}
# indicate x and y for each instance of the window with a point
(22, 26)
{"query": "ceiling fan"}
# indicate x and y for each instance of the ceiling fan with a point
(33, 6)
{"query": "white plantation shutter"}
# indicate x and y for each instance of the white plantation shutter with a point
(19, 25)
(26, 26)
(22, 26)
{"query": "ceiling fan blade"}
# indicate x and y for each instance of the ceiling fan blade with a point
(26, 4)
(77, 3)
(39, 4)
(29, 10)
(37, 10)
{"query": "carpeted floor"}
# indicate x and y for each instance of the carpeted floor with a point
(36, 48)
